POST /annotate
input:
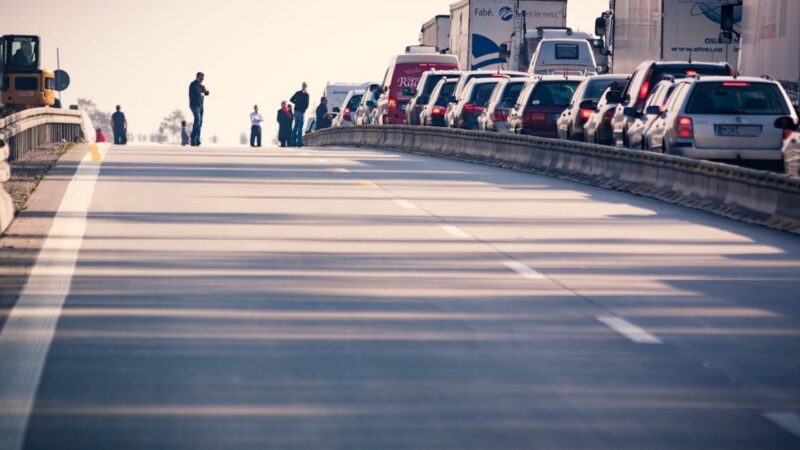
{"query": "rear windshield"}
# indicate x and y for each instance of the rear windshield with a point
(430, 84)
(737, 98)
(446, 93)
(567, 51)
(596, 88)
(686, 70)
(511, 94)
(481, 93)
(554, 93)
(354, 102)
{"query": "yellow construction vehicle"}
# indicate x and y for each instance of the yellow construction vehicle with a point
(24, 83)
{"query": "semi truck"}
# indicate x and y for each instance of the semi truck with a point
(771, 43)
(436, 33)
(667, 30)
(489, 34)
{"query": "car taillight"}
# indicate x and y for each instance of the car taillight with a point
(736, 84)
(787, 134)
(644, 90)
(437, 111)
(685, 127)
(392, 104)
(473, 108)
(608, 116)
(500, 116)
(586, 114)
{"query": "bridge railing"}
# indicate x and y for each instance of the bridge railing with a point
(765, 198)
(25, 131)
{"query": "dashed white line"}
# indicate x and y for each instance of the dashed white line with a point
(629, 330)
(406, 204)
(789, 421)
(524, 271)
(338, 170)
(320, 160)
(455, 231)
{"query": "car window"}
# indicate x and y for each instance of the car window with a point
(430, 83)
(445, 93)
(354, 102)
(554, 93)
(481, 93)
(567, 51)
(676, 94)
(636, 81)
(511, 94)
(595, 88)
(737, 97)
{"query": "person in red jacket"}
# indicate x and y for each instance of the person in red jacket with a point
(100, 136)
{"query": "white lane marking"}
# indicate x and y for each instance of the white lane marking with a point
(320, 160)
(629, 330)
(405, 204)
(25, 339)
(455, 231)
(524, 271)
(339, 170)
(789, 421)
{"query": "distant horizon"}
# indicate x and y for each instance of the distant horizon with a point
(251, 52)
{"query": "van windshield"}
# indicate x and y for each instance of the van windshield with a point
(737, 98)
(554, 93)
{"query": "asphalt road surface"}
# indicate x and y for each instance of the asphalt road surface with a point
(338, 298)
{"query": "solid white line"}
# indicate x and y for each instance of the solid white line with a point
(320, 160)
(524, 270)
(406, 204)
(456, 232)
(789, 421)
(25, 339)
(629, 330)
(339, 170)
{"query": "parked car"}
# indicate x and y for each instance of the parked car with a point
(423, 93)
(597, 130)
(724, 119)
(434, 112)
(346, 117)
(464, 112)
(565, 56)
(645, 78)
(791, 145)
(365, 110)
(639, 131)
(504, 97)
(401, 81)
(540, 104)
(584, 103)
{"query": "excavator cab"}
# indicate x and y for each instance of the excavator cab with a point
(24, 83)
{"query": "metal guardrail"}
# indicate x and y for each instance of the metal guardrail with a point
(29, 129)
(764, 198)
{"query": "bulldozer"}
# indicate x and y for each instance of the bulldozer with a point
(24, 83)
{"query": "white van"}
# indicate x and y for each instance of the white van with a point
(563, 56)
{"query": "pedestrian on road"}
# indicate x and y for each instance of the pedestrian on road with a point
(255, 127)
(300, 100)
(100, 136)
(197, 93)
(119, 124)
(323, 116)
(285, 124)
(184, 134)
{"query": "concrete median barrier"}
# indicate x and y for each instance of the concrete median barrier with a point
(764, 198)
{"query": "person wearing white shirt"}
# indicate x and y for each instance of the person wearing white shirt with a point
(255, 127)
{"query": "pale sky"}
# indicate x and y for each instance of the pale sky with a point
(143, 54)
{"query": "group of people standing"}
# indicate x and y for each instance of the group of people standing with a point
(291, 120)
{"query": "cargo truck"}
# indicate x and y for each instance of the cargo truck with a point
(482, 32)
(667, 30)
(436, 33)
(771, 42)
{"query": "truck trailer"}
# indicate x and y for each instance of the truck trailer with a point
(482, 32)
(436, 33)
(771, 43)
(667, 30)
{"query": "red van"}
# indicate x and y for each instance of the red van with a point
(400, 82)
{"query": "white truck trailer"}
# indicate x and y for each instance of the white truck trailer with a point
(482, 32)
(336, 92)
(436, 33)
(668, 30)
(771, 42)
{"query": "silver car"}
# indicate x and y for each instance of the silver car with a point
(724, 119)
(639, 130)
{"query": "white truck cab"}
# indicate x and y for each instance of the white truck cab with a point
(567, 56)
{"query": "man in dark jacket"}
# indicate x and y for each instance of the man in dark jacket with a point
(197, 93)
(323, 116)
(300, 100)
(119, 124)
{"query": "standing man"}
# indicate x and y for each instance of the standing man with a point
(300, 100)
(323, 116)
(119, 124)
(255, 127)
(197, 93)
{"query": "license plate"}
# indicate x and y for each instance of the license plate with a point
(738, 130)
(554, 117)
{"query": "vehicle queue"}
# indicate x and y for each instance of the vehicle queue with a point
(694, 109)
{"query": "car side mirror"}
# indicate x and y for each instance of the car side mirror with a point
(588, 104)
(598, 43)
(786, 123)
(614, 97)
(632, 113)
(653, 110)
(600, 26)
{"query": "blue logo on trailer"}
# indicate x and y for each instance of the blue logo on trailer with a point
(506, 13)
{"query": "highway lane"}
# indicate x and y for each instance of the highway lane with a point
(354, 298)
